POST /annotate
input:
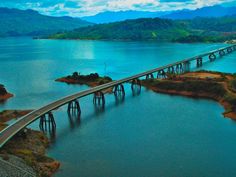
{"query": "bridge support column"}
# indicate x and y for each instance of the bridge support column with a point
(177, 69)
(199, 62)
(74, 109)
(161, 74)
(119, 90)
(47, 122)
(181, 68)
(171, 70)
(229, 50)
(99, 98)
(149, 76)
(234, 47)
(136, 86)
(222, 53)
(186, 66)
(212, 57)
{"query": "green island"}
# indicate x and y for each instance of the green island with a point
(218, 86)
(27, 148)
(199, 29)
(91, 80)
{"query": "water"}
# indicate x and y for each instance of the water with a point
(147, 135)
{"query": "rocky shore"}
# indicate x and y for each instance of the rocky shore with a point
(218, 86)
(92, 80)
(233, 41)
(25, 153)
(4, 95)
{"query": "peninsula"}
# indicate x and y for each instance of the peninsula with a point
(201, 84)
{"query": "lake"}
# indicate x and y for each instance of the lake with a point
(146, 135)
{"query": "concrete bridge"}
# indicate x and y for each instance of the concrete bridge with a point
(45, 113)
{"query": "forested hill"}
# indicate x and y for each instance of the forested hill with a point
(198, 29)
(14, 22)
(140, 29)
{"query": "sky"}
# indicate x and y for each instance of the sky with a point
(80, 8)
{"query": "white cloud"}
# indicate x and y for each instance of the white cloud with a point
(91, 7)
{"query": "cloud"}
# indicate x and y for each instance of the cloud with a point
(80, 8)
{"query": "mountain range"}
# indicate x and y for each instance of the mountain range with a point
(211, 29)
(14, 22)
(211, 11)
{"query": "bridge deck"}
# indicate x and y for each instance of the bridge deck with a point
(14, 128)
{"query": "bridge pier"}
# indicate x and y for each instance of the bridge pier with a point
(229, 50)
(171, 70)
(149, 76)
(99, 98)
(212, 57)
(136, 86)
(187, 66)
(73, 108)
(47, 122)
(199, 62)
(119, 90)
(222, 53)
(161, 74)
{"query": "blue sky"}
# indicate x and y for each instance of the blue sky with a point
(79, 8)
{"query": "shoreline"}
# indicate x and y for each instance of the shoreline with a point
(229, 108)
(28, 147)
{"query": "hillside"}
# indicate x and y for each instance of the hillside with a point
(109, 16)
(197, 30)
(14, 22)
(211, 11)
(140, 29)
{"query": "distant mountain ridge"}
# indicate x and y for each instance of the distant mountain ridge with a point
(108, 16)
(211, 11)
(156, 29)
(15, 22)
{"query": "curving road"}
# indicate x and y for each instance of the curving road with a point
(21, 123)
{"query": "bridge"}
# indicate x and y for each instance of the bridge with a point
(45, 113)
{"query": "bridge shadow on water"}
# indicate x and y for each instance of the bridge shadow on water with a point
(75, 120)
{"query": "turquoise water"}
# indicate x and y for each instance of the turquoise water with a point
(147, 135)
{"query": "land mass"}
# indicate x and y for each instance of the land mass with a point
(91, 80)
(203, 84)
(27, 148)
(156, 29)
(4, 95)
(15, 22)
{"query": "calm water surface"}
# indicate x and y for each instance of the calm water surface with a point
(146, 135)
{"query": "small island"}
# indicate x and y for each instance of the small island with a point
(91, 80)
(4, 95)
(201, 84)
(26, 150)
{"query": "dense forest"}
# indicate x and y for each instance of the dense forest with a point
(157, 29)
(14, 22)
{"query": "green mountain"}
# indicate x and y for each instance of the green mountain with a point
(196, 30)
(14, 22)
(140, 29)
